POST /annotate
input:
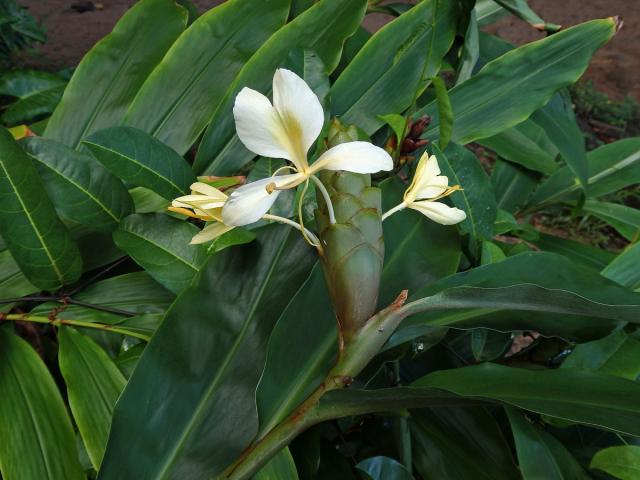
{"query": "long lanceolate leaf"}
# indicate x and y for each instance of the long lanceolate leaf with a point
(141, 160)
(39, 242)
(37, 437)
(322, 28)
(539, 291)
(81, 188)
(585, 397)
(395, 63)
(93, 384)
(611, 167)
(509, 89)
(191, 401)
(179, 97)
(109, 76)
(160, 244)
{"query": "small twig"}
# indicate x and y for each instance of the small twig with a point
(25, 317)
(66, 300)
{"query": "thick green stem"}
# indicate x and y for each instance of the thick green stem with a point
(22, 317)
(278, 438)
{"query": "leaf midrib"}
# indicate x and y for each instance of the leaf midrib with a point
(52, 262)
(86, 192)
(155, 173)
(165, 470)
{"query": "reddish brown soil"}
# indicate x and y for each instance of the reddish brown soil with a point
(615, 68)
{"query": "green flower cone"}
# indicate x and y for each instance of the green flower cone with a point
(353, 247)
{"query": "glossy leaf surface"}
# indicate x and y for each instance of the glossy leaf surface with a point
(322, 28)
(39, 242)
(395, 64)
(160, 244)
(141, 160)
(93, 384)
(81, 189)
(177, 100)
(109, 76)
(207, 355)
(33, 420)
(540, 455)
(540, 68)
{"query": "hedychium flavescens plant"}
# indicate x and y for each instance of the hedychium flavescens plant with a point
(348, 219)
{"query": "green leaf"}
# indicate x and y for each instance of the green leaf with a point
(322, 28)
(611, 403)
(141, 160)
(13, 283)
(559, 122)
(521, 9)
(301, 350)
(383, 468)
(22, 83)
(624, 268)
(611, 168)
(37, 239)
(540, 454)
(526, 144)
(622, 462)
(180, 96)
(37, 93)
(160, 245)
(488, 11)
(578, 252)
(207, 354)
(485, 105)
(470, 48)
(37, 437)
(81, 189)
(615, 354)
(453, 443)
(512, 185)
(626, 220)
(395, 65)
(280, 467)
(396, 122)
(476, 197)
(491, 253)
(418, 251)
(94, 384)
(445, 112)
(110, 75)
(134, 293)
(536, 291)
(30, 107)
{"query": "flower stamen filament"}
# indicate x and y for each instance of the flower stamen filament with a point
(327, 198)
(309, 236)
(395, 209)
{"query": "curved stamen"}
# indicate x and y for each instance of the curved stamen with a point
(309, 236)
(327, 198)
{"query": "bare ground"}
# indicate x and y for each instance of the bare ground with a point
(615, 68)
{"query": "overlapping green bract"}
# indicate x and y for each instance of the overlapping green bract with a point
(353, 247)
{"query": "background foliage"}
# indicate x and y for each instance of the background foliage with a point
(129, 353)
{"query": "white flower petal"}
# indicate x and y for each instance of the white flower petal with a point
(426, 176)
(210, 232)
(357, 157)
(259, 127)
(250, 202)
(299, 110)
(439, 212)
(437, 187)
(208, 190)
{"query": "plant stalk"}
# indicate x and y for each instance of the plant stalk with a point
(22, 317)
